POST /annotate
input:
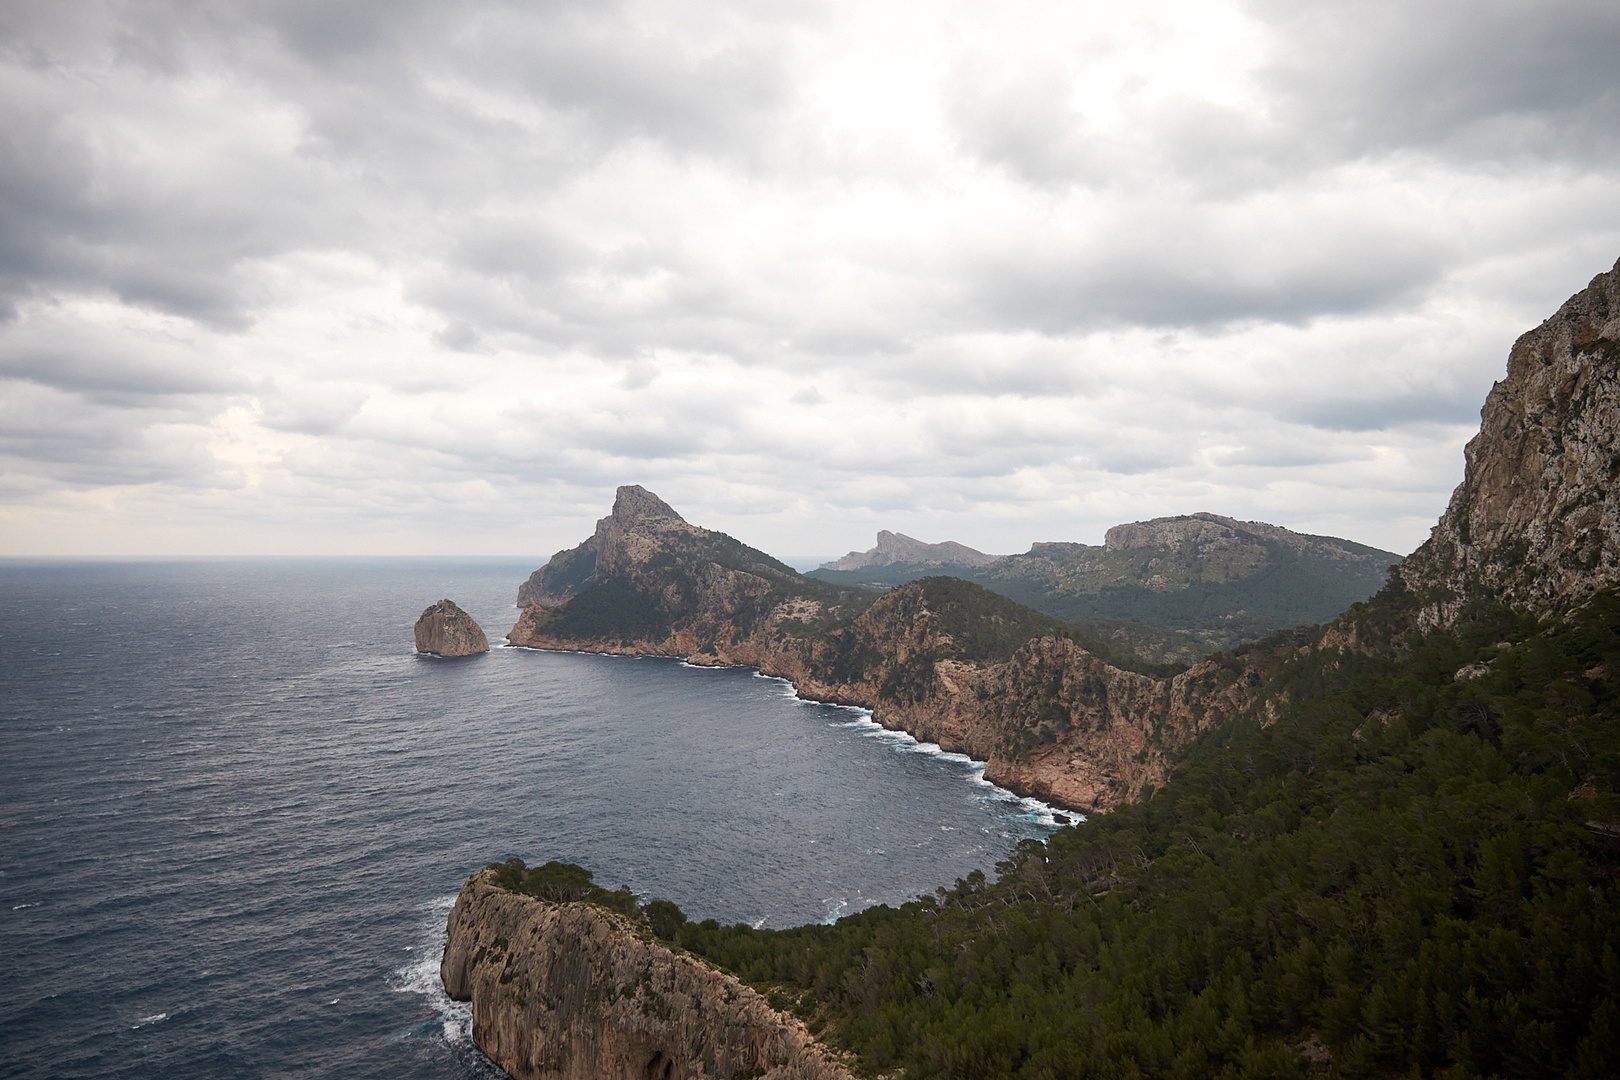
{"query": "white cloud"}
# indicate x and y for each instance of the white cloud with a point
(290, 276)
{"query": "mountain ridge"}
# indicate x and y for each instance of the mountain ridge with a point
(1174, 588)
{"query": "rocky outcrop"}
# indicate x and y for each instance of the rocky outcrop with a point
(947, 661)
(573, 992)
(895, 548)
(445, 630)
(1536, 520)
(571, 572)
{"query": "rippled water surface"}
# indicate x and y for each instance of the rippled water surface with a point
(237, 807)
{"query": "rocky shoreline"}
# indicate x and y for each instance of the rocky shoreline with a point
(570, 991)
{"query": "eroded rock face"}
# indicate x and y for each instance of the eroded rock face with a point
(571, 992)
(445, 630)
(1536, 520)
(571, 572)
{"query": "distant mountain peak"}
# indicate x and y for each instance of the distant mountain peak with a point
(895, 547)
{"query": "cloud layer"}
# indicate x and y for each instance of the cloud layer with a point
(286, 276)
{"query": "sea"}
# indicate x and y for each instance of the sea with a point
(237, 807)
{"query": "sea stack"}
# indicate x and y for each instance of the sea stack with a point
(445, 630)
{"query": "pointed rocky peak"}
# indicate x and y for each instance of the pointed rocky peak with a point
(633, 503)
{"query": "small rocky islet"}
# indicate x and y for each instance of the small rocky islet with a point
(446, 630)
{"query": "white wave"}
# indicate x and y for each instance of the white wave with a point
(19, 907)
(1031, 810)
(155, 1018)
(421, 974)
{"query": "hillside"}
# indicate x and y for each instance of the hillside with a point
(1054, 712)
(1173, 589)
(1397, 855)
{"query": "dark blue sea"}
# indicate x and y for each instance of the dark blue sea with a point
(236, 808)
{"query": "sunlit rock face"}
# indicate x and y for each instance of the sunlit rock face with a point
(445, 630)
(1536, 520)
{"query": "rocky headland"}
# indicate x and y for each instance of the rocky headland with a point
(1398, 860)
(569, 991)
(445, 630)
(1055, 715)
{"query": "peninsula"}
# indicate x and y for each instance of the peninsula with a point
(1389, 846)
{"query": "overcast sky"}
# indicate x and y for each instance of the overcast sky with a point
(303, 277)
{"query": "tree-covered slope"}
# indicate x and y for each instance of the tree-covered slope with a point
(1405, 872)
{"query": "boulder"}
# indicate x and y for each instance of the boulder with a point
(445, 630)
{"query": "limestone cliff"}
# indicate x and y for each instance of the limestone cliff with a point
(943, 659)
(572, 992)
(1536, 520)
(610, 548)
(445, 630)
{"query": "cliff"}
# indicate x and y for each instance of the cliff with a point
(573, 992)
(1053, 713)
(445, 630)
(1534, 522)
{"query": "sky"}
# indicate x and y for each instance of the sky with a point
(289, 277)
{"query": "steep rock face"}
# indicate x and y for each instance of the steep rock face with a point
(899, 548)
(1536, 520)
(569, 573)
(445, 630)
(571, 992)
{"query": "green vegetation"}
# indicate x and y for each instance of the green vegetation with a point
(986, 627)
(562, 883)
(1405, 873)
(1171, 606)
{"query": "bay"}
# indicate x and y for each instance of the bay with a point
(237, 807)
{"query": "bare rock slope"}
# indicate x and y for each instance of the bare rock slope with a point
(573, 992)
(445, 630)
(1536, 520)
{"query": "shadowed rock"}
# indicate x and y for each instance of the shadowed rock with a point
(445, 630)
(1536, 520)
